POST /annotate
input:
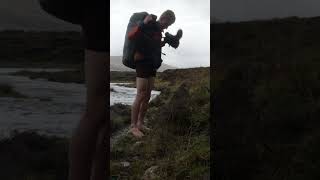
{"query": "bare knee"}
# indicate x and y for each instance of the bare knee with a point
(96, 117)
(96, 108)
(92, 122)
(147, 97)
(141, 96)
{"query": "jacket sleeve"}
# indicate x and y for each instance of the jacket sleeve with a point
(135, 31)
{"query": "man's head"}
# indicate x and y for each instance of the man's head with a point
(166, 19)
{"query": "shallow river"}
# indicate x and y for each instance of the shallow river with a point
(51, 107)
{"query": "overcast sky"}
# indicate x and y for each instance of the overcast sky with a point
(244, 10)
(193, 17)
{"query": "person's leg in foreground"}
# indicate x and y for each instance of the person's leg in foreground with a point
(88, 153)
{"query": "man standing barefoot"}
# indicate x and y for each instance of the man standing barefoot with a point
(148, 35)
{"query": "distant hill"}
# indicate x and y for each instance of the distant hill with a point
(28, 15)
(277, 40)
(116, 65)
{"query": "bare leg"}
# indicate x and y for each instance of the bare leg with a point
(142, 88)
(100, 167)
(84, 140)
(144, 105)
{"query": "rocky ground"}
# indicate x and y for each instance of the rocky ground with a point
(178, 146)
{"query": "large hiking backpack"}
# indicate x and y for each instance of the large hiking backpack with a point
(129, 45)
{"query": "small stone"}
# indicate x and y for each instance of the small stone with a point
(136, 145)
(125, 164)
(135, 158)
(150, 174)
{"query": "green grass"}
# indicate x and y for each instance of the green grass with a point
(120, 116)
(118, 77)
(28, 155)
(266, 98)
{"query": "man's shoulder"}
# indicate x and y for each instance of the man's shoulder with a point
(153, 26)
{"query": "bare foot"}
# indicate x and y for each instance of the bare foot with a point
(136, 132)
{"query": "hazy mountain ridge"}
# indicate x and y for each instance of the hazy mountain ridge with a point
(116, 65)
(28, 15)
(214, 20)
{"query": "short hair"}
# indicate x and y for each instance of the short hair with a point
(169, 14)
